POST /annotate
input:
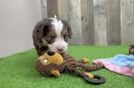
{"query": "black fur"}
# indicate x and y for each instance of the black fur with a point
(131, 49)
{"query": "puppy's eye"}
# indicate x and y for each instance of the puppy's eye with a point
(66, 38)
(51, 39)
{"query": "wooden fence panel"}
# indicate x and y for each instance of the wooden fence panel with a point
(87, 22)
(100, 25)
(63, 9)
(113, 22)
(75, 20)
(44, 8)
(52, 8)
(127, 21)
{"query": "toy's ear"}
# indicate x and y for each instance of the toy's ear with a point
(55, 73)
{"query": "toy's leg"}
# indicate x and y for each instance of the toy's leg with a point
(89, 75)
(91, 67)
(83, 73)
(91, 78)
(55, 73)
(84, 61)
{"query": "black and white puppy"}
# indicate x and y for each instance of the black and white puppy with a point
(131, 49)
(51, 34)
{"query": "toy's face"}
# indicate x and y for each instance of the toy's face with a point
(51, 57)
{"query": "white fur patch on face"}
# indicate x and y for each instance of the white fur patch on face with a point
(59, 41)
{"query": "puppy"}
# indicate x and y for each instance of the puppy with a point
(131, 49)
(51, 34)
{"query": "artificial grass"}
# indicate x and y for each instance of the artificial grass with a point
(17, 71)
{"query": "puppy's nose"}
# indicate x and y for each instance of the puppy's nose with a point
(51, 53)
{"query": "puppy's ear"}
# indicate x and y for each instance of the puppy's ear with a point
(46, 23)
(46, 29)
(68, 27)
(43, 27)
(69, 31)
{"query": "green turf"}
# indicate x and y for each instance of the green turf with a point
(17, 71)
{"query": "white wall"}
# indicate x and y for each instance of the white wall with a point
(17, 20)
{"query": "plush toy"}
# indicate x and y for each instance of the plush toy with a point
(52, 64)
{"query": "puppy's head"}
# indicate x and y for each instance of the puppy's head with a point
(131, 49)
(56, 34)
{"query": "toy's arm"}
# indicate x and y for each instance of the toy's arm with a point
(84, 61)
(89, 75)
(69, 57)
(55, 73)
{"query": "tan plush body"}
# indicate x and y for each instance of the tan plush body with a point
(49, 64)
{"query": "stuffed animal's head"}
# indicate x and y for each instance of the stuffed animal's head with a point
(48, 63)
(51, 57)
